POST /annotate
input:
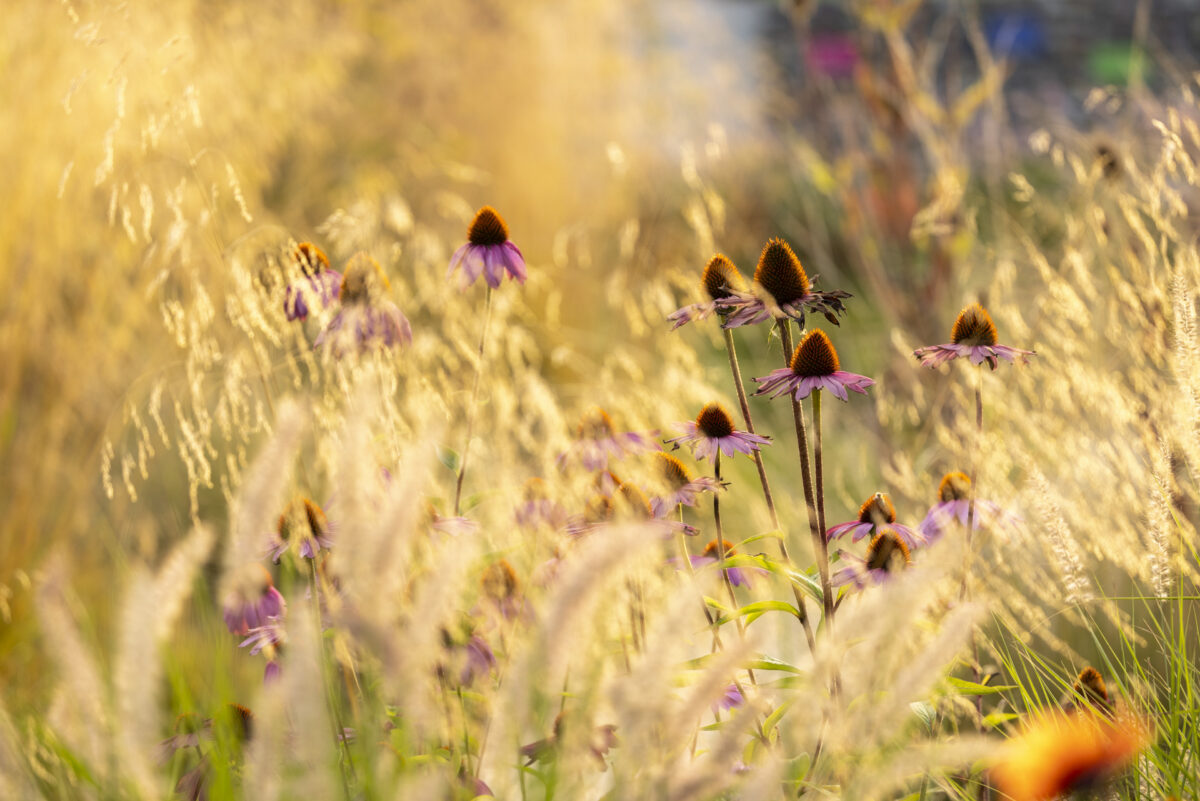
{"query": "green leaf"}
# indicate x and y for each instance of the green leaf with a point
(996, 718)
(964, 687)
(754, 611)
(764, 662)
(773, 719)
(925, 712)
(774, 534)
(449, 458)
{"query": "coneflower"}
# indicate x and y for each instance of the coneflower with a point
(814, 365)
(954, 506)
(253, 602)
(713, 433)
(302, 526)
(886, 554)
(738, 576)
(679, 485)
(367, 319)
(317, 282)
(973, 337)
(876, 512)
(720, 282)
(781, 290)
(487, 252)
(597, 441)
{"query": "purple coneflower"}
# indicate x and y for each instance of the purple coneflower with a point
(597, 441)
(488, 251)
(875, 513)
(317, 283)
(814, 365)
(267, 640)
(738, 576)
(974, 336)
(454, 526)
(304, 523)
(501, 586)
(886, 554)
(712, 432)
(781, 289)
(254, 603)
(954, 504)
(628, 504)
(680, 486)
(367, 319)
(721, 281)
(538, 508)
(730, 699)
(468, 655)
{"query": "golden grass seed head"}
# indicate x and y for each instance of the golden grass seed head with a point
(722, 278)
(887, 552)
(779, 272)
(364, 280)
(815, 355)
(714, 422)
(488, 228)
(955, 486)
(877, 510)
(974, 326)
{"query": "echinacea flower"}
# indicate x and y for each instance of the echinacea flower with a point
(367, 318)
(253, 602)
(731, 698)
(538, 508)
(954, 504)
(304, 526)
(814, 365)
(488, 251)
(268, 640)
(877, 511)
(454, 526)
(781, 290)
(713, 433)
(886, 554)
(468, 655)
(597, 441)
(628, 504)
(502, 588)
(1089, 694)
(1062, 754)
(679, 485)
(738, 576)
(318, 282)
(721, 280)
(973, 336)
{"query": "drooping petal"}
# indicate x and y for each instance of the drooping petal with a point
(515, 262)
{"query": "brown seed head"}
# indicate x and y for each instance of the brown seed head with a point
(1090, 686)
(599, 509)
(974, 326)
(302, 517)
(878, 510)
(632, 502)
(363, 281)
(311, 260)
(815, 355)
(887, 552)
(721, 278)
(954, 487)
(713, 551)
(779, 272)
(487, 228)
(713, 421)
(673, 472)
(243, 721)
(499, 581)
(595, 424)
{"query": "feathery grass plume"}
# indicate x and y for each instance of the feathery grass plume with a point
(1059, 541)
(1160, 523)
(262, 492)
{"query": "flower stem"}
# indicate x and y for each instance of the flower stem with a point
(462, 466)
(820, 549)
(737, 619)
(818, 466)
(801, 606)
(687, 561)
(964, 591)
(347, 763)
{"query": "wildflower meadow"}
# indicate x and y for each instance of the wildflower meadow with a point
(599, 399)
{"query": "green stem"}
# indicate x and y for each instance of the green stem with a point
(462, 466)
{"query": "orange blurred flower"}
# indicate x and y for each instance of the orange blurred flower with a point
(1064, 752)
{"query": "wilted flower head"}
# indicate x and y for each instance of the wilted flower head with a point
(304, 526)
(721, 281)
(781, 289)
(678, 484)
(814, 365)
(488, 252)
(367, 318)
(876, 512)
(886, 554)
(318, 282)
(713, 433)
(1064, 753)
(597, 440)
(973, 336)
(253, 602)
